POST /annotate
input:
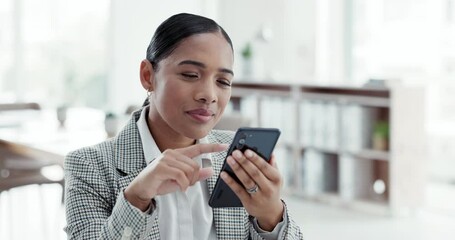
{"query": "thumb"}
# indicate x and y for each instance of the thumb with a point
(205, 173)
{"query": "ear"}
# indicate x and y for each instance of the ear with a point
(147, 75)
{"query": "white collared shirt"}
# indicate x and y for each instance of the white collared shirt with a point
(182, 215)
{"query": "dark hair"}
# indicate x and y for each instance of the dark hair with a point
(175, 29)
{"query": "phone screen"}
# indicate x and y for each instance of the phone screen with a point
(260, 140)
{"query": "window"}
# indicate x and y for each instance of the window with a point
(410, 40)
(54, 51)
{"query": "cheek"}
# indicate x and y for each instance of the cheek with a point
(171, 97)
(167, 97)
(224, 100)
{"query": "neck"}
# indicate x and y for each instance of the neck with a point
(164, 141)
(166, 138)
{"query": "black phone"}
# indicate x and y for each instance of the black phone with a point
(260, 140)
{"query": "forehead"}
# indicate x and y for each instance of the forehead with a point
(208, 48)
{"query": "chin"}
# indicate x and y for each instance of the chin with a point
(199, 133)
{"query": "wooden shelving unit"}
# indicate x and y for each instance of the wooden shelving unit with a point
(328, 142)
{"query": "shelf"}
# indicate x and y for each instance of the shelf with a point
(364, 153)
(322, 150)
(328, 140)
(374, 97)
(245, 90)
(371, 154)
(347, 99)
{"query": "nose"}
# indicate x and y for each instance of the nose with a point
(206, 92)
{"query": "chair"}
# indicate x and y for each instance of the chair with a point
(19, 106)
(21, 165)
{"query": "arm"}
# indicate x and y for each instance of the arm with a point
(286, 229)
(91, 212)
(90, 209)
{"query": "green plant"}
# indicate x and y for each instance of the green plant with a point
(247, 51)
(110, 115)
(381, 129)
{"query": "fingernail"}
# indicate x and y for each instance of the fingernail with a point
(223, 175)
(249, 153)
(231, 161)
(237, 154)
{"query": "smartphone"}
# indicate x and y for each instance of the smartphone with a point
(260, 140)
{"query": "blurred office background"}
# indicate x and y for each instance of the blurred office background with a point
(361, 89)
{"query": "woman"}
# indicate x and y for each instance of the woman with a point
(150, 182)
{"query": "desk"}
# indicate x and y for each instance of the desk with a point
(30, 140)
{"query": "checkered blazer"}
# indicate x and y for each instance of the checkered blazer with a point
(96, 208)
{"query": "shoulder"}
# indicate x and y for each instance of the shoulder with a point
(90, 155)
(220, 136)
(94, 150)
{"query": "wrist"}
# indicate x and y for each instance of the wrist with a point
(269, 222)
(135, 200)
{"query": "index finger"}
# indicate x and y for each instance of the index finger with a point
(198, 149)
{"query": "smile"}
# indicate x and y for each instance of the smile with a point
(201, 115)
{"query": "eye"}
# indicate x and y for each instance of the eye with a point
(224, 82)
(190, 75)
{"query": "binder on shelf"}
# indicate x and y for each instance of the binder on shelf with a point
(319, 125)
(307, 119)
(353, 128)
(249, 106)
(355, 178)
(330, 173)
(278, 112)
(287, 116)
(270, 110)
(332, 118)
(312, 172)
(285, 165)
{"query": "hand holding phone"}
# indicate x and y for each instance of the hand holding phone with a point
(260, 140)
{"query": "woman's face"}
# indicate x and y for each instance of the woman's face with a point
(191, 87)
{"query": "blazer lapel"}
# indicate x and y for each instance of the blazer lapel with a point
(129, 156)
(217, 163)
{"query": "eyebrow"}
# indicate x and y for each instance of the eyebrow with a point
(202, 65)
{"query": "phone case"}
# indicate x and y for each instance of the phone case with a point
(260, 140)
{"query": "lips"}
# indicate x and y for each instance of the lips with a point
(201, 115)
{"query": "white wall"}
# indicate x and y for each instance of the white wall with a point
(289, 54)
(331, 39)
(300, 37)
(132, 26)
(242, 20)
